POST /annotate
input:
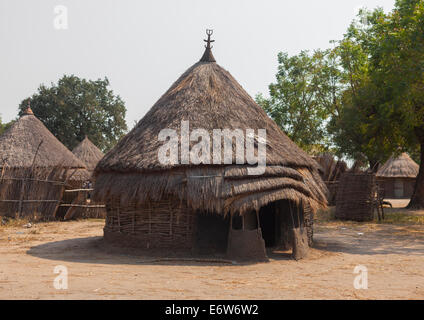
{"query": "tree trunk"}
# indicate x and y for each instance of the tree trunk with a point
(374, 165)
(417, 200)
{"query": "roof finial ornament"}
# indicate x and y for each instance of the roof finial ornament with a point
(209, 32)
(208, 56)
(28, 110)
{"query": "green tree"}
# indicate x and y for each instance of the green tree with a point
(304, 97)
(384, 108)
(5, 126)
(359, 131)
(74, 108)
(397, 62)
(1, 127)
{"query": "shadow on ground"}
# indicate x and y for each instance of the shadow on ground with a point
(96, 250)
(361, 240)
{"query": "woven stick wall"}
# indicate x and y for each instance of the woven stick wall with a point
(355, 197)
(161, 224)
(34, 193)
(332, 187)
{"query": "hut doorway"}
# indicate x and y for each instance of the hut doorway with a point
(279, 224)
(211, 233)
(277, 219)
(269, 222)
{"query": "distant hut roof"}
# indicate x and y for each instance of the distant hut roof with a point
(210, 98)
(20, 142)
(399, 167)
(88, 153)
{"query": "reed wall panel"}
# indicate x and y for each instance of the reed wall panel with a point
(355, 197)
(167, 223)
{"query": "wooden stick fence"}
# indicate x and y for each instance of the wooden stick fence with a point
(25, 181)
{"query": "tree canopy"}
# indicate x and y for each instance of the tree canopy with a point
(304, 97)
(74, 108)
(364, 98)
(5, 126)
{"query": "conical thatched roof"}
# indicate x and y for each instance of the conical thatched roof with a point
(88, 153)
(208, 97)
(20, 142)
(399, 167)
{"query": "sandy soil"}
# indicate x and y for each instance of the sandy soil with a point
(392, 253)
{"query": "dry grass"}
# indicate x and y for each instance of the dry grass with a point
(403, 217)
(8, 223)
(392, 216)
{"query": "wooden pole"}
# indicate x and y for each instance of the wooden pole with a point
(119, 220)
(61, 193)
(21, 198)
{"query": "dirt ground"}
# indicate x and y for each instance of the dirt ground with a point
(392, 252)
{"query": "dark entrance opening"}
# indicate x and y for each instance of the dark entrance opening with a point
(211, 233)
(269, 223)
(277, 219)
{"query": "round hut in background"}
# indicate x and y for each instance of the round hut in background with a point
(34, 169)
(397, 177)
(88, 153)
(208, 207)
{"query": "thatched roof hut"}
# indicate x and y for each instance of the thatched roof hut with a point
(20, 143)
(184, 205)
(34, 169)
(88, 153)
(397, 176)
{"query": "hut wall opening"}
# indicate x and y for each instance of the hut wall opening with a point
(277, 219)
(269, 222)
(282, 224)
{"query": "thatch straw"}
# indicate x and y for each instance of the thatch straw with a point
(399, 167)
(88, 153)
(21, 141)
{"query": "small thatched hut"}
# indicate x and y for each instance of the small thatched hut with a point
(397, 177)
(208, 207)
(33, 162)
(88, 153)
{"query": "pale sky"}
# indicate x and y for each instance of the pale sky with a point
(144, 46)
